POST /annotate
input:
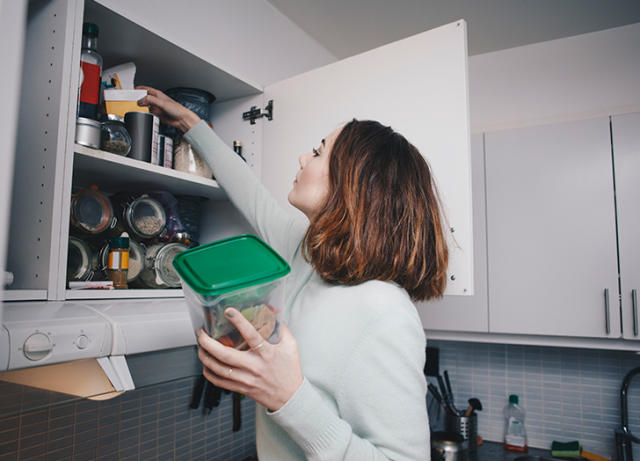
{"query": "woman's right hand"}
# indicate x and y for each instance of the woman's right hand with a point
(170, 112)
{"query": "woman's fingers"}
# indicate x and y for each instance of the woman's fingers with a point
(255, 341)
(225, 354)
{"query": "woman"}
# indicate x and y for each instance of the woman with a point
(346, 380)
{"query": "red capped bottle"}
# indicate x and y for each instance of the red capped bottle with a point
(90, 73)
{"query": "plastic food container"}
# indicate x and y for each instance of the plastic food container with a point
(119, 102)
(241, 272)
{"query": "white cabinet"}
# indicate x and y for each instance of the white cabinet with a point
(625, 131)
(395, 84)
(12, 16)
(552, 259)
(466, 313)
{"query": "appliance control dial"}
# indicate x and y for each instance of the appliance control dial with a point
(37, 346)
(82, 341)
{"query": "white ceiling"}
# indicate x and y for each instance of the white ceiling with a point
(348, 27)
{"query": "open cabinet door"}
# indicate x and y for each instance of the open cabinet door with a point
(418, 86)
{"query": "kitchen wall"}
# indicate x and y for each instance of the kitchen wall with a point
(568, 394)
(153, 423)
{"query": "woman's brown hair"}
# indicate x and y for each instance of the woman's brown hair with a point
(381, 219)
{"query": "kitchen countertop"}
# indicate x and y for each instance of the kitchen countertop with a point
(494, 451)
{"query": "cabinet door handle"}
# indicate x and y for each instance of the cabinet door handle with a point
(634, 304)
(606, 311)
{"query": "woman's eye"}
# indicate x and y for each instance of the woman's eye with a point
(315, 152)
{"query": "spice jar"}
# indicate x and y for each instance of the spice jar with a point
(136, 260)
(143, 216)
(158, 269)
(118, 263)
(79, 260)
(187, 160)
(115, 137)
(91, 211)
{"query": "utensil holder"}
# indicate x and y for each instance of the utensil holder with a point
(467, 427)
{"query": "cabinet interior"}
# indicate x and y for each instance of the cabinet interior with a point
(56, 165)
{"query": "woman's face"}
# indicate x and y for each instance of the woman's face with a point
(311, 185)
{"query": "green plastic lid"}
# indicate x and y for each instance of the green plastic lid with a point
(230, 264)
(513, 398)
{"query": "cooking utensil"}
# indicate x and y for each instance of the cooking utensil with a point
(474, 405)
(211, 397)
(449, 390)
(447, 446)
(237, 411)
(443, 392)
(434, 392)
(196, 395)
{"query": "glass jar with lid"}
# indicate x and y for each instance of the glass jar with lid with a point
(136, 260)
(80, 260)
(91, 211)
(158, 269)
(115, 137)
(143, 216)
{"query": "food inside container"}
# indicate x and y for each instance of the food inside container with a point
(136, 259)
(187, 160)
(158, 271)
(241, 272)
(143, 216)
(79, 260)
(115, 137)
(91, 211)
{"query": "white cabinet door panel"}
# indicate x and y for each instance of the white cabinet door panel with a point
(419, 87)
(467, 313)
(626, 150)
(551, 230)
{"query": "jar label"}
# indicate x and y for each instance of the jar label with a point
(119, 260)
(90, 90)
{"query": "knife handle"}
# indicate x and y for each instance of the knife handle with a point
(237, 411)
(449, 391)
(196, 395)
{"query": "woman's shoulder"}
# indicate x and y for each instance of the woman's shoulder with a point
(377, 301)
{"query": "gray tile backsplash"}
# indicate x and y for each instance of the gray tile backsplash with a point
(152, 423)
(568, 394)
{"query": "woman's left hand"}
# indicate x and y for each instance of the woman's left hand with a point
(268, 373)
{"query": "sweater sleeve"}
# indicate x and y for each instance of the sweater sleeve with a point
(382, 405)
(273, 223)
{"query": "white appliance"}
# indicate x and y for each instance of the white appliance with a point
(35, 334)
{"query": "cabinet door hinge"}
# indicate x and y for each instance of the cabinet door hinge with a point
(254, 113)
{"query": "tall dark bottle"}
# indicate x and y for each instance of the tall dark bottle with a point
(90, 73)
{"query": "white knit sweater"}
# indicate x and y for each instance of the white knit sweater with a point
(362, 347)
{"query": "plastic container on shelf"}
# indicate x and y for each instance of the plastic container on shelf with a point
(141, 215)
(197, 100)
(241, 272)
(80, 266)
(115, 138)
(187, 160)
(158, 271)
(136, 260)
(91, 211)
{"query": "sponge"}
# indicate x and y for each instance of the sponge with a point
(565, 449)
